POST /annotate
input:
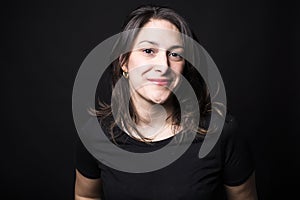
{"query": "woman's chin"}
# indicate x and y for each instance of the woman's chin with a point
(159, 99)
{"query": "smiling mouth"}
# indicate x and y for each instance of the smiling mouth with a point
(160, 82)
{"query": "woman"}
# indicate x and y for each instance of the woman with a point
(149, 77)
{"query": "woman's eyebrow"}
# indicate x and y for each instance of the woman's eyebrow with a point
(156, 44)
(176, 47)
(148, 41)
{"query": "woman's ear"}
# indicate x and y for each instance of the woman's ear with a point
(124, 68)
(123, 64)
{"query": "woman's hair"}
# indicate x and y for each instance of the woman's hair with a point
(135, 20)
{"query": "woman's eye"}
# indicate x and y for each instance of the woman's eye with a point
(175, 56)
(148, 51)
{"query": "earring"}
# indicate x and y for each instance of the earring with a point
(125, 74)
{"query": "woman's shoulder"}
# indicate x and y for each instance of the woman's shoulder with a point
(230, 126)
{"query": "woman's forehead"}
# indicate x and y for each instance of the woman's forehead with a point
(158, 36)
(160, 23)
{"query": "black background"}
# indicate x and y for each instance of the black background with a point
(254, 44)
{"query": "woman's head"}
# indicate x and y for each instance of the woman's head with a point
(153, 36)
(144, 16)
(154, 63)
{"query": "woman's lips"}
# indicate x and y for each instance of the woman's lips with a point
(159, 81)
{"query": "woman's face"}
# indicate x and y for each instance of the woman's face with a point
(154, 65)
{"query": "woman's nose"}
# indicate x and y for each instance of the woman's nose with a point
(161, 62)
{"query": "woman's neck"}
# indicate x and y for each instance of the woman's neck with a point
(153, 119)
(149, 112)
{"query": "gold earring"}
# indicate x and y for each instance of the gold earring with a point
(125, 74)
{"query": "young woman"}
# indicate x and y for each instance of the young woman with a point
(152, 72)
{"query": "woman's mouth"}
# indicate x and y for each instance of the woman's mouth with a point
(159, 81)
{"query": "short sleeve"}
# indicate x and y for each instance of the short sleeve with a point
(85, 163)
(237, 158)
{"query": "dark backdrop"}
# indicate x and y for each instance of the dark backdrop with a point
(254, 44)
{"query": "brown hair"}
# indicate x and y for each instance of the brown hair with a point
(135, 20)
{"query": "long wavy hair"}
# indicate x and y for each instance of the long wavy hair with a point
(135, 20)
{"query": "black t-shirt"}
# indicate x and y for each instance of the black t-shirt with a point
(189, 177)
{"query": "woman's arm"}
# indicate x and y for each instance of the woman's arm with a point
(87, 189)
(245, 191)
